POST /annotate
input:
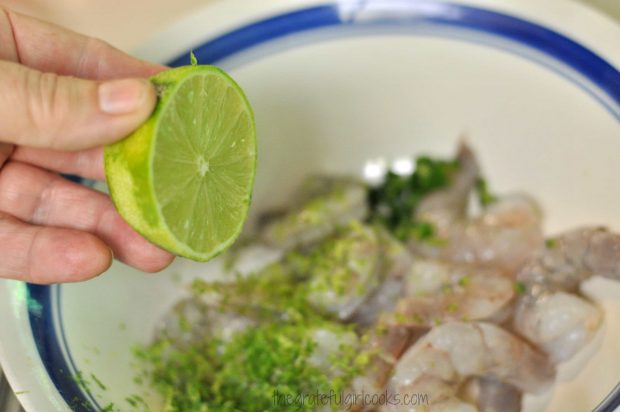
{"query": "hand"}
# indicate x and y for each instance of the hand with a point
(53, 230)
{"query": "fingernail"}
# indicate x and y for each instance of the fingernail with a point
(122, 96)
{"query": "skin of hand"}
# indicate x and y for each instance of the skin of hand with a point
(63, 97)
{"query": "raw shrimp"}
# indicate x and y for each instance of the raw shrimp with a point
(384, 345)
(550, 314)
(559, 323)
(440, 361)
(326, 204)
(504, 235)
(446, 206)
(395, 263)
(491, 395)
(573, 257)
(439, 291)
(343, 270)
(191, 321)
(328, 343)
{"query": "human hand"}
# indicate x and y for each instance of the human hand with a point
(53, 230)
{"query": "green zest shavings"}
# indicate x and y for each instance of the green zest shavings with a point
(245, 376)
(192, 58)
(520, 288)
(464, 281)
(551, 243)
(243, 371)
(394, 202)
(98, 382)
(110, 408)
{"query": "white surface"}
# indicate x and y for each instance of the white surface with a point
(330, 106)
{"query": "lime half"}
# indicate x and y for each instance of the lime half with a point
(184, 178)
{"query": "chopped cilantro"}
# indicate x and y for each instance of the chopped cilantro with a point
(98, 382)
(109, 408)
(520, 288)
(551, 243)
(485, 197)
(394, 202)
(464, 281)
(423, 230)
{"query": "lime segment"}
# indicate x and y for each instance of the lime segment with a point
(184, 179)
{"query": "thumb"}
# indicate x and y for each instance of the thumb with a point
(45, 110)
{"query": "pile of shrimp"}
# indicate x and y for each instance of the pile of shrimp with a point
(473, 321)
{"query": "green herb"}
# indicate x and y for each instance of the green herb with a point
(464, 281)
(98, 382)
(79, 379)
(394, 202)
(423, 230)
(452, 307)
(417, 318)
(135, 401)
(109, 408)
(551, 243)
(520, 288)
(485, 197)
(21, 392)
(192, 58)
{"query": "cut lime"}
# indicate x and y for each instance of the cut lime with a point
(184, 178)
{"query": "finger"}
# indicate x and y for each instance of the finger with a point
(7, 42)
(49, 48)
(49, 255)
(86, 163)
(5, 151)
(45, 110)
(42, 198)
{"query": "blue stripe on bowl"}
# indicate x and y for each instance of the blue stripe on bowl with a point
(392, 14)
(49, 348)
(417, 13)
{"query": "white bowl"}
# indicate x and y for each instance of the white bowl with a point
(535, 86)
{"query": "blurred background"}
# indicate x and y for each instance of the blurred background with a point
(126, 24)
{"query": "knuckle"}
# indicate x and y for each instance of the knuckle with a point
(90, 64)
(46, 109)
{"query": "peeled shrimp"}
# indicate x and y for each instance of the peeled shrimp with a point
(451, 353)
(395, 264)
(504, 235)
(573, 257)
(345, 271)
(491, 395)
(328, 343)
(192, 321)
(326, 204)
(384, 344)
(446, 206)
(550, 313)
(438, 292)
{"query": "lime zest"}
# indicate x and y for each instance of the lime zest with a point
(192, 58)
